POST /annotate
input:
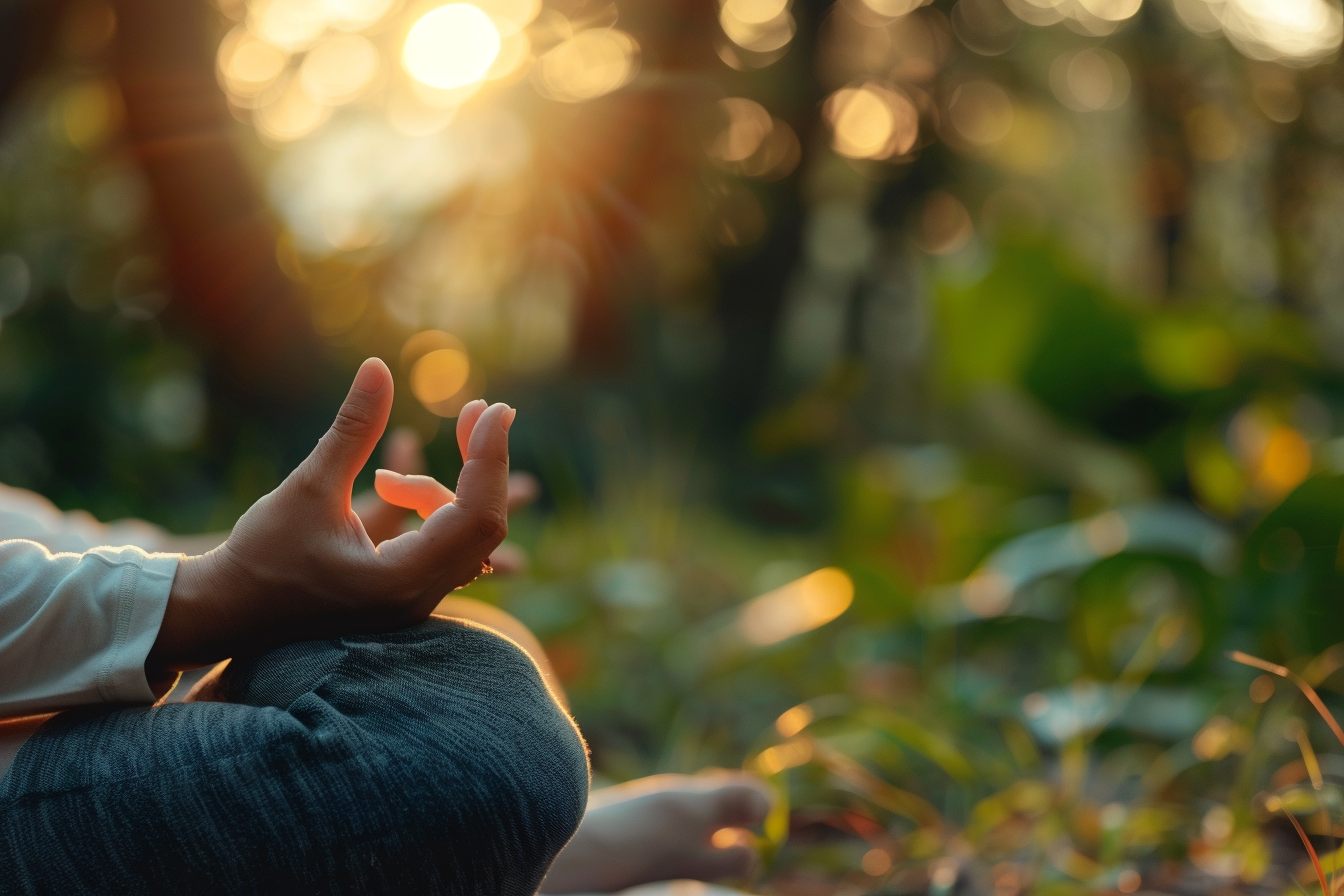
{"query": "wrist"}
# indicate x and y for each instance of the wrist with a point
(190, 634)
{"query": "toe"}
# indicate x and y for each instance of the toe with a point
(711, 864)
(743, 803)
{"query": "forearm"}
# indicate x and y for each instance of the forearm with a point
(78, 627)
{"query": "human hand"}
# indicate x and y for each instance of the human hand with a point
(300, 565)
(404, 452)
(401, 488)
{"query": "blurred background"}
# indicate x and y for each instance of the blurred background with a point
(926, 397)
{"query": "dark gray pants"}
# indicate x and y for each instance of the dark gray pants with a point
(427, 761)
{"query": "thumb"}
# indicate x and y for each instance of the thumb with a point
(342, 452)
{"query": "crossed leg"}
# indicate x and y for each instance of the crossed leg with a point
(653, 829)
(433, 760)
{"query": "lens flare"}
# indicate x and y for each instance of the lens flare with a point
(451, 46)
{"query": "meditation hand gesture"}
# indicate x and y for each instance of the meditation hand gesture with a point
(299, 564)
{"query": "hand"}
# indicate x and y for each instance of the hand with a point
(404, 452)
(399, 489)
(299, 564)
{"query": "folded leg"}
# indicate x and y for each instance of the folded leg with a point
(432, 760)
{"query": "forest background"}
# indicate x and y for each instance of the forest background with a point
(928, 398)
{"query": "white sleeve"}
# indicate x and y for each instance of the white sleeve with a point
(77, 628)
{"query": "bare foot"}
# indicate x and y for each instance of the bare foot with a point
(662, 828)
(674, 888)
(680, 888)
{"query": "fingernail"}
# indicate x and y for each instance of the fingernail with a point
(509, 414)
(369, 378)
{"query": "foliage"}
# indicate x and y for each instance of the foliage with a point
(1054, 383)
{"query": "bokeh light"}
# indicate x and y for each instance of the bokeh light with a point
(1090, 80)
(510, 16)
(291, 25)
(248, 65)
(590, 64)
(1093, 17)
(944, 224)
(1111, 10)
(753, 142)
(88, 112)
(876, 862)
(800, 606)
(872, 121)
(451, 46)
(1292, 31)
(748, 126)
(439, 375)
(791, 754)
(355, 15)
(759, 26)
(981, 112)
(292, 114)
(337, 68)
(894, 9)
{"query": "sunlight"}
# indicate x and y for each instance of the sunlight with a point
(1290, 30)
(793, 721)
(289, 24)
(451, 46)
(249, 65)
(872, 122)
(588, 65)
(742, 24)
(291, 115)
(338, 68)
(800, 606)
(789, 754)
(439, 375)
(748, 126)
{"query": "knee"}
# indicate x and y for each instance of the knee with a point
(453, 726)
(498, 766)
(493, 617)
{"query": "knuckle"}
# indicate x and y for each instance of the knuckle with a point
(492, 525)
(304, 484)
(351, 420)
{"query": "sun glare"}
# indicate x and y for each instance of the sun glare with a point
(451, 46)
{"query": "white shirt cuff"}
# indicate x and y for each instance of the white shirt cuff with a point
(141, 602)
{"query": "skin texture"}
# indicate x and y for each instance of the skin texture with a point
(659, 828)
(300, 564)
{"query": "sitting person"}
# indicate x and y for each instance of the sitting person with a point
(352, 745)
